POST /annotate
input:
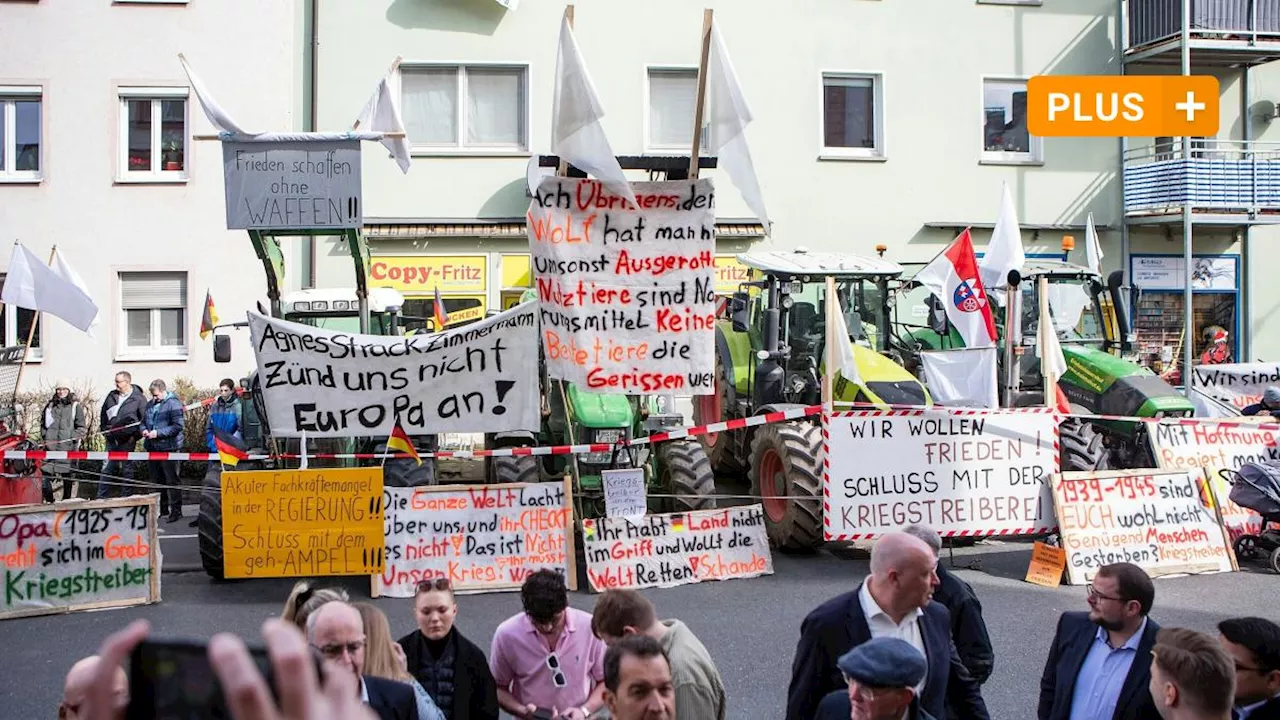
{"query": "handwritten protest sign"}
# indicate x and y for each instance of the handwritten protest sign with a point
(627, 295)
(1158, 521)
(302, 523)
(482, 538)
(964, 472)
(624, 493)
(79, 556)
(333, 384)
(1236, 385)
(292, 184)
(1212, 447)
(676, 548)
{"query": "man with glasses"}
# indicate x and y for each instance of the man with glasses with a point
(546, 660)
(1099, 664)
(1254, 645)
(451, 668)
(337, 631)
(881, 675)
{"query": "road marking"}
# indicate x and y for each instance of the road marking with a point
(163, 536)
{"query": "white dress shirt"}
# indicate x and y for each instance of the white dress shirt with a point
(882, 625)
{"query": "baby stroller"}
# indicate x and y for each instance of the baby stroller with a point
(1257, 487)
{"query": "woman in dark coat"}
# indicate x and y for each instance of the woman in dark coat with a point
(63, 428)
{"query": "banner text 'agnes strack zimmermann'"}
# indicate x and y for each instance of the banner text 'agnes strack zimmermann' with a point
(627, 294)
(476, 378)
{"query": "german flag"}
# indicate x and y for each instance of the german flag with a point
(400, 442)
(442, 315)
(210, 318)
(230, 449)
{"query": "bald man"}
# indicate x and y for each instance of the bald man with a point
(895, 600)
(75, 690)
(336, 629)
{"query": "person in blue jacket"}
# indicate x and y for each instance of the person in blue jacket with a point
(224, 414)
(162, 425)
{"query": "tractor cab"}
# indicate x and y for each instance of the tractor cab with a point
(338, 309)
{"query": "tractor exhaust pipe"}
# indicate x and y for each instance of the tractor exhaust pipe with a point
(1012, 335)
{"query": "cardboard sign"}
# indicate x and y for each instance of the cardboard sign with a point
(483, 538)
(1159, 521)
(292, 184)
(482, 377)
(1047, 564)
(302, 523)
(627, 296)
(1212, 447)
(676, 549)
(964, 472)
(624, 493)
(79, 556)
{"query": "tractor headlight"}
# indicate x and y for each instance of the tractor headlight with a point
(608, 436)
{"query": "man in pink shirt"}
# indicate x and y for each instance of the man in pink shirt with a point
(545, 660)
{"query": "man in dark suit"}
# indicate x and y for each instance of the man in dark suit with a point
(1191, 676)
(1099, 664)
(894, 601)
(1254, 644)
(337, 631)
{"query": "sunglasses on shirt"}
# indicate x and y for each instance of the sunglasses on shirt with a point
(557, 677)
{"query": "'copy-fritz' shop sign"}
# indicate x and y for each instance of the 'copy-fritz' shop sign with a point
(964, 472)
(325, 383)
(627, 294)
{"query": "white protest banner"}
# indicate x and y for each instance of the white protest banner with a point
(483, 538)
(79, 556)
(627, 295)
(1156, 520)
(1237, 385)
(481, 377)
(676, 548)
(624, 493)
(1211, 447)
(964, 472)
(292, 184)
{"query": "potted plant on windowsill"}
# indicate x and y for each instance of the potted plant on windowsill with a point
(172, 156)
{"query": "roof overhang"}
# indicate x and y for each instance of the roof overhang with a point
(957, 226)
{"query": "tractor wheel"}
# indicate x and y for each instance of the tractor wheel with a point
(712, 409)
(786, 460)
(209, 522)
(686, 474)
(513, 469)
(1081, 447)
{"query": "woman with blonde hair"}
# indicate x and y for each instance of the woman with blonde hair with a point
(384, 658)
(305, 598)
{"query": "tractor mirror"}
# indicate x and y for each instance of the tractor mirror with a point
(222, 348)
(1115, 285)
(738, 311)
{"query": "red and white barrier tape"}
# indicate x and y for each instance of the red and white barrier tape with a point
(865, 407)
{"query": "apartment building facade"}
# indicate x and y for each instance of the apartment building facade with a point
(98, 157)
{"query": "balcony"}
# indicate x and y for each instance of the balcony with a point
(1225, 181)
(1224, 33)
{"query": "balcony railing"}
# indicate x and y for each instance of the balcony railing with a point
(1219, 176)
(1151, 21)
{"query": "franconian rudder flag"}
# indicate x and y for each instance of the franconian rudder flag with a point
(953, 276)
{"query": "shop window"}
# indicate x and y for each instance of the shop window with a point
(15, 323)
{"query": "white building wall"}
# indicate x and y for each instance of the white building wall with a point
(80, 53)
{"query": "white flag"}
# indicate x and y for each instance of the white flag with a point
(576, 134)
(729, 116)
(68, 273)
(1092, 247)
(1050, 350)
(1004, 252)
(963, 377)
(844, 362)
(382, 114)
(31, 284)
(217, 116)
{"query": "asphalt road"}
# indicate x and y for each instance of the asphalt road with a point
(750, 626)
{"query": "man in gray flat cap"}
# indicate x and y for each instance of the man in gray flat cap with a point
(882, 674)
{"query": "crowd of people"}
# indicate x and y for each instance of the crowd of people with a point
(909, 643)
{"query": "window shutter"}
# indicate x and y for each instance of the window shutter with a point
(144, 291)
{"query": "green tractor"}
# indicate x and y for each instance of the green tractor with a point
(1092, 325)
(678, 470)
(770, 357)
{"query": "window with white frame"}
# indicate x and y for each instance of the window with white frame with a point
(852, 115)
(153, 133)
(21, 129)
(153, 310)
(481, 108)
(673, 96)
(15, 326)
(1005, 137)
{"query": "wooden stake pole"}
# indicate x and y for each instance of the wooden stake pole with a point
(563, 168)
(31, 334)
(700, 106)
(1046, 326)
(829, 373)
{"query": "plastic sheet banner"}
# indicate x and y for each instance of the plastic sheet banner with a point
(74, 556)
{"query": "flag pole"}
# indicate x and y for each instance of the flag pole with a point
(303, 465)
(563, 168)
(700, 106)
(829, 373)
(1046, 326)
(31, 333)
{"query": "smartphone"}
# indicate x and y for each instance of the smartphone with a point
(543, 714)
(171, 679)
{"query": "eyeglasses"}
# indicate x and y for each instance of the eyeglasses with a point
(335, 650)
(1093, 593)
(1242, 668)
(557, 677)
(866, 693)
(440, 583)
